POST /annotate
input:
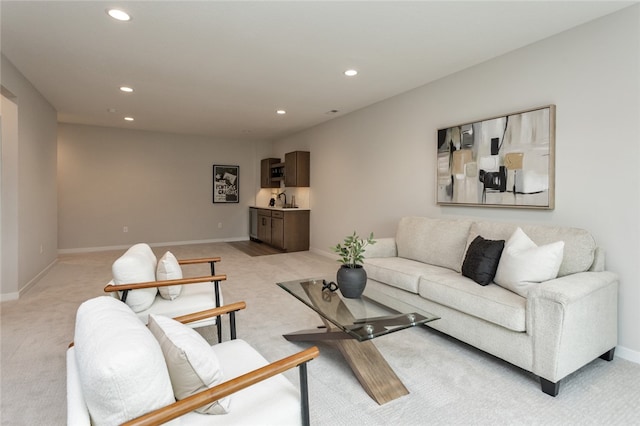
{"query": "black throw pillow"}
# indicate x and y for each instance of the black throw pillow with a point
(481, 261)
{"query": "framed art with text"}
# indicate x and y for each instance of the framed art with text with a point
(506, 161)
(226, 184)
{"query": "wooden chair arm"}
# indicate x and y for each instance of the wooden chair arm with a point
(177, 409)
(197, 316)
(200, 260)
(150, 284)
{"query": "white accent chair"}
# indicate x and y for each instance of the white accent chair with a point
(151, 286)
(120, 372)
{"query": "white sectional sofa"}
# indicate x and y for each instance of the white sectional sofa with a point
(552, 328)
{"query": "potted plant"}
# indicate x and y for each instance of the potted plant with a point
(351, 277)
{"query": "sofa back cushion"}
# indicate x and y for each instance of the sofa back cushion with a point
(439, 242)
(579, 245)
(137, 265)
(120, 364)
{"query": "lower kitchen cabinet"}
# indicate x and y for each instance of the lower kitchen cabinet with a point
(287, 230)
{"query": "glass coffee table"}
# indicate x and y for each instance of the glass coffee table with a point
(352, 324)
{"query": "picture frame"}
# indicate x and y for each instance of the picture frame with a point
(226, 184)
(504, 161)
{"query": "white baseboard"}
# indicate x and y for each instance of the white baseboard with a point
(628, 354)
(15, 296)
(5, 297)
(171, 243)
(324, 253)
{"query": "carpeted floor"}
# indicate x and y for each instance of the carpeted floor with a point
(450, 382)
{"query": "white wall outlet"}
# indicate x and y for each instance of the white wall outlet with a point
(41, 249)
(219, 225)
(125, 229)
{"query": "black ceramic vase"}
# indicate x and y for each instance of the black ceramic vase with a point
(351, 281)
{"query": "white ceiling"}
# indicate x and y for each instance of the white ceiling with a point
(222, 68)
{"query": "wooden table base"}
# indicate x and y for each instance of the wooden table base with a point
(367, 363)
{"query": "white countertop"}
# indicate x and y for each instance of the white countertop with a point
(280, 208)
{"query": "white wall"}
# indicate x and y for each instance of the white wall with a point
(371, 167)
(33, 243)
(159, 185)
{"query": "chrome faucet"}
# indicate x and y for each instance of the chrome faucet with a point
(285, 198)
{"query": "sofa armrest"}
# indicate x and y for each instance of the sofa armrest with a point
(384, 247)
(179, 408)
(573, 320)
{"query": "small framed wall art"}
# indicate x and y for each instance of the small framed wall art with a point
(226, 184)
(506, 161)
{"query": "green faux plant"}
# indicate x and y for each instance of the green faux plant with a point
(351, 251)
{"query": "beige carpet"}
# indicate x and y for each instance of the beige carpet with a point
(450, 383)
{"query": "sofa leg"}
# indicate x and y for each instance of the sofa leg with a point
(549, 387)
(608, 356)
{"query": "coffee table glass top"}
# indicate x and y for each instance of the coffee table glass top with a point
(362, 318)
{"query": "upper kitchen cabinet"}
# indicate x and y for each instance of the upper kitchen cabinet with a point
(267, 180)
(296, 169)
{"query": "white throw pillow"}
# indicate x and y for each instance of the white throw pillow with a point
(193, 365)
(137, 265)
(169, 269)
(523, 263)
(121, 367)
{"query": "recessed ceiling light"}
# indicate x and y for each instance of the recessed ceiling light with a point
(118, 14)
(350, 73)
(281, 112)
(128, 118)
(126, 89)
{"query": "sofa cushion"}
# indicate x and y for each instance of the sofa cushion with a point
(579, 245)
(399, 272)
(192, 364)
(481, 261)
(439, 242)
(491, 303)
(120, 364)
(169, 269)
(136, 265)
(523, 263)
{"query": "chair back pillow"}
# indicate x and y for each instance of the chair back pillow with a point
(120, 364)
(137, 265)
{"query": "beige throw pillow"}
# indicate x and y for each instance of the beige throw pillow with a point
(169, 269)
(193, 365)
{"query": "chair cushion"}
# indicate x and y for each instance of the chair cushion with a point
(524, 264)
(192, 364)
(193, 298)
(120, 364)
(481, 261)
(169, 269)
(136, 265)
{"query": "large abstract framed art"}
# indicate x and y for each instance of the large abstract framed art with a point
(506, 161)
